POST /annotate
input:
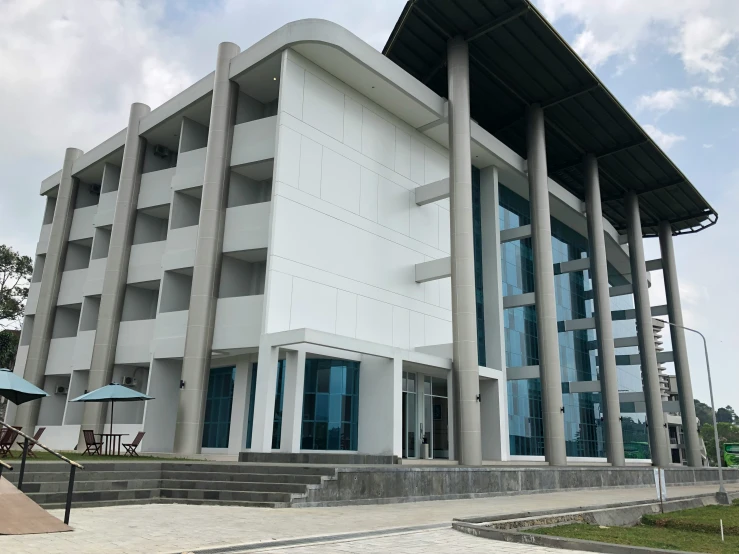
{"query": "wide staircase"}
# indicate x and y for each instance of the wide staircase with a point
(139, 482)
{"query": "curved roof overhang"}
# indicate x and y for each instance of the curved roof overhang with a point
(518, 59)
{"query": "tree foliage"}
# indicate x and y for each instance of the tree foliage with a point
(15, 279)
(703, 412)
(727, 432)
(726, 415)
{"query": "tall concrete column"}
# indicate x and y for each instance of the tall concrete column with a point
(603, 324)
(645, 335)
(464, 317)
(679, 347)
(555, 450)
(208, 254)
(51, 279)
(116, 268)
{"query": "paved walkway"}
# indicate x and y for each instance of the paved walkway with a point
(182, 528)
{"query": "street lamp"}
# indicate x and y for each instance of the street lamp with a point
(723, 496)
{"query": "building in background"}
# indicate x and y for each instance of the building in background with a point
(318, 248)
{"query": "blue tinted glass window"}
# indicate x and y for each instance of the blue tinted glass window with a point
(330, 405)
(218, 402)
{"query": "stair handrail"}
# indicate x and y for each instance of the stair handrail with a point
(72, 465)
(5, 465)
(39, 444)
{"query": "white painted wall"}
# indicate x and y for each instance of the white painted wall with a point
(345, 231)
(380, 406)
(160, 414)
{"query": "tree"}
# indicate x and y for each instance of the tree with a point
(15, 279)
(703, 412)
(726, 415)
(727, 432)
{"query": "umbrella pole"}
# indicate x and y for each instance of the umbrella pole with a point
(112, 406)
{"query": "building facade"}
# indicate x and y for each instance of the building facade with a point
(313, 250)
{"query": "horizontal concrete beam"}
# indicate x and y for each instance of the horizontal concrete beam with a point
(433, 270)
(426, 194)
(519, 300)
(582, 324)
(654, 265)
(625, 342)
(522, 372)
(633, 359)
(517, 233)
(584, 386)
(572, 266)
(620, 290)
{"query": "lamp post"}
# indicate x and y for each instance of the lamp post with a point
(723, 497)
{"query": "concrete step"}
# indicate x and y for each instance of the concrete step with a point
(86, 486)
(245, 477)
(106, 503)
(32, 476)
(291, 469)
(225, 495)
(295, 488)
(45, 499)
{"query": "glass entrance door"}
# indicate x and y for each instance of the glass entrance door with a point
(410, 416)
(436, 417)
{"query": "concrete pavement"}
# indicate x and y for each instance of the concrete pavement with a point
(182, 528)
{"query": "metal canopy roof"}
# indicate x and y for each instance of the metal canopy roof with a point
(518, 59)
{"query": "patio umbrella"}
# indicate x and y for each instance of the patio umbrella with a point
(17, 389)
(113, 393)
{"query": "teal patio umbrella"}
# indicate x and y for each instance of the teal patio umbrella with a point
(113, 393)
(17, 389)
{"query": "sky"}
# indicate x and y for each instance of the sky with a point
(71, 68)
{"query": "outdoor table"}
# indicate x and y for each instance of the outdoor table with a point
(112, 443)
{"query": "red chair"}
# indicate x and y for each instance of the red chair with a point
(132, 446)
(32, 444)
(93, 446)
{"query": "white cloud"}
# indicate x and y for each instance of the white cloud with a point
(707, 146)
(701, 33)
(669, 99)
(664, 140)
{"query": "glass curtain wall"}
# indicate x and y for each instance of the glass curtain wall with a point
(218, 403)
(583, 426)
(330, 405)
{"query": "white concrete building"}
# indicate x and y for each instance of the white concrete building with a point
(291, 211)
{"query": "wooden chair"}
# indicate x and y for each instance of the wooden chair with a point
(132, 446)
(7, 440)
(93, 446)
(32, 444)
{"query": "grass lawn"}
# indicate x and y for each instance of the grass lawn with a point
(694, 530)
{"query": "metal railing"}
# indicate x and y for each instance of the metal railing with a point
(73, 466)
(4, 465)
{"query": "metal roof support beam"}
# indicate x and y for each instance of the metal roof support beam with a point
(546, 310)
(569, 96)
(601, 155)
(496, 23)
